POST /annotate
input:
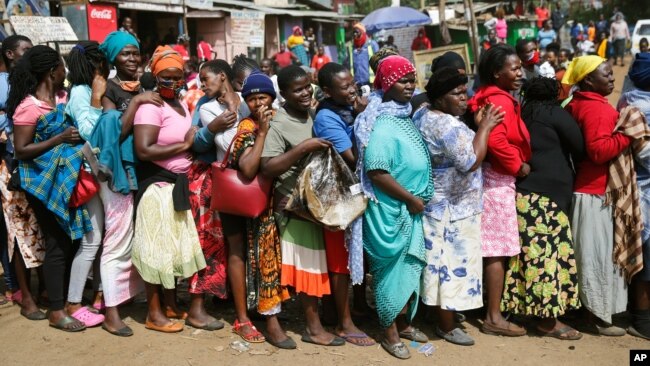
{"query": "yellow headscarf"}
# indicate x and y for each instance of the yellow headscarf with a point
(580, 67)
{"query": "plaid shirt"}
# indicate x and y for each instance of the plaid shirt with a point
(52, 176)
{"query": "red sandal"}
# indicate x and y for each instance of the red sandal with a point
(253, 337)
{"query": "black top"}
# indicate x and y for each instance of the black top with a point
(556, 141)
(120, 97)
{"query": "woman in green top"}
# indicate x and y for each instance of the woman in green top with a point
(392, 232)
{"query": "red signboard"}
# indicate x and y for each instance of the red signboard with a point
(102, 19)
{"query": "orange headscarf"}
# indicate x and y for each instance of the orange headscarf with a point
(164, 57)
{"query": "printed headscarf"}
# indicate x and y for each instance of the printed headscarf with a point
(391, 69)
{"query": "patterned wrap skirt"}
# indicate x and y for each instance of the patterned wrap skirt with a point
(543, 279)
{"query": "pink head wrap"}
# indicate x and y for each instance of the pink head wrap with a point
(391, 69)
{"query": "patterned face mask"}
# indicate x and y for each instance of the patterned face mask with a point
(170, 89)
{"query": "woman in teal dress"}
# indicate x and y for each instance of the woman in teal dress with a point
(393, 233)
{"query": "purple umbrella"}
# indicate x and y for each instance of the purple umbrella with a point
(394, 17)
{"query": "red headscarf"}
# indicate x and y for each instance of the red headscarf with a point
(359, 42)
(391, 69)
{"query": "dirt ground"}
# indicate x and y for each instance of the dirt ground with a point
(24, 342)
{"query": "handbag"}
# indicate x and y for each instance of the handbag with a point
(86, 188)
(235, 194)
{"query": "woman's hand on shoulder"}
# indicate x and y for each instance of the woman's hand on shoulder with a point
(489, 116)
(148, 97)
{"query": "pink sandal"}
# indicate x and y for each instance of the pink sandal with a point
(87, 317)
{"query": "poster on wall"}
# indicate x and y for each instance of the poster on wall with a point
(246, 31)
(102, 20)
(43, 29)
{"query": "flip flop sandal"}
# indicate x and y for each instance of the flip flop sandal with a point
(398, 350)
(255, 336)
(36, 315)
(560, 334)
(212, 326)
(351, 337)
(89, 318)
(171, 327)
(288, 343)
(335, 342)
(63, 322)
(124, 332)
(414, 335)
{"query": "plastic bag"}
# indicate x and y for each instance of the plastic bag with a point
(327, 192)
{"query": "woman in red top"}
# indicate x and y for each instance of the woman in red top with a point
(602, 288)
(508, 151)
(421, 42)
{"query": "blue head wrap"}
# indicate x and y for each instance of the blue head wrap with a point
(640, 71)
(115, 42)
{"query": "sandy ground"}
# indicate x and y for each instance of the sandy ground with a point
(23, 342)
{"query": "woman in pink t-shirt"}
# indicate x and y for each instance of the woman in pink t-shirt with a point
(166, 244)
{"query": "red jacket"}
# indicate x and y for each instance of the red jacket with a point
(509, 142)
(597, 120)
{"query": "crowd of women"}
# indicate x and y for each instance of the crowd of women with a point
(540, 208)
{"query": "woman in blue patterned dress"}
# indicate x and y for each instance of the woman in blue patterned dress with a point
(452, 219)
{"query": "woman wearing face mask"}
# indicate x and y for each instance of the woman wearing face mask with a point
(452, 219)
(166, 244)
(508, 152)
(45, 140)
(393, 235)
(124, 96)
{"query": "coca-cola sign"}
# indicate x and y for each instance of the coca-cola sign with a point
(102, 19)
(101, 14)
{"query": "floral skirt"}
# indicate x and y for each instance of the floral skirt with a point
(165, 244)
(543, 279)
(211, 279)
(22, 227)
(452, 278)
(499, 237)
